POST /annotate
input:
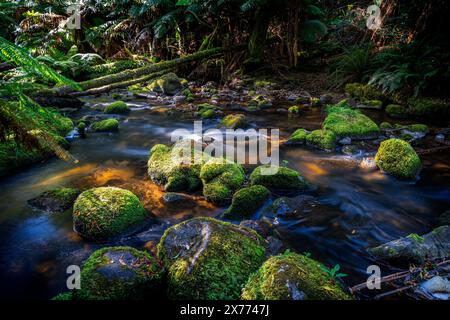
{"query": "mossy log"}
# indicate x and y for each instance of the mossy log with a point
(127, 75)
(121, 84)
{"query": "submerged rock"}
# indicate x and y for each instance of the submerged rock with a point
(105, 212)
(284, 179)
(247, 201)
(208, 259)
(398, 158)
(292, 276)
(416, 249)
(221, 179)
(56, 200)
(296, 206)
(234, 121)
(119, 273)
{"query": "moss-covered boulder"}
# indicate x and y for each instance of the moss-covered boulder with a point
(56, 200)
(107, 125)
(208, 259)
(247, 201)
(119, 273)
(322, 139)
(398, 158)
(221, 179)
(285, 179)
(260, 102)
(344, 121)
(292, 276)
(168, 84)
(430, 108)
(298, 137)
(206, 110)
(117, 107)
(176, 168)
(294, 110)
(416, 249)
(105, 212)
(363, 91)
(234, 121)
(397, 111)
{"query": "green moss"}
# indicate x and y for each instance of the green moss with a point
(385, 126)
(63, 125)
(299, 136)
(322, 139)
(167, 84)
(406, 136)
(208, 259)
(206, 110)
(106, 125)
(291, 276)
(65, 296)
(234, 121)
(346, 122)
(422, 128)
(315, 101)
(430, 108)
(284, 179)
(398, 158)
(174, 169)
(117, 107)
(14, 156)
(119, 273)
(294, 110)
(247, 201)
(416, 237)
(375, 104)
(396, 111)
(102, 213)
(363, 91)
(260, 101)
(220, 180)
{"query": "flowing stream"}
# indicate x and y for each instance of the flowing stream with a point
(358, 208)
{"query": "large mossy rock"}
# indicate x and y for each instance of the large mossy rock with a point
(105, 212)
(247, 201)
(291, 276)
(56, 200)
(322, 139)
(117, 107)
(208, 259)
(284, 179)
(107, 125)
(363, 91)
(398, 158)
(221, 179)
(119, 273)
(298, 137)
(416, 249)
(344, 121)
(168, 84)
(177, 168)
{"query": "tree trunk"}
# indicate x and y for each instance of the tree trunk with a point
(258, 38)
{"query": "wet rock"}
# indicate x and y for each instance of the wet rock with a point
(297, 206)
(263, 228)
(168, 84)
(322, 139)
(117, 107)
(274, 246)
(261, 102)
(440, 137)
(282, 179)
(326, 99)
(171, 197)
(345, 141)
(350, 150)
(416, 249)
(234, 121)
(398, 158)
(119, 273)
(107, 125)
(174, 168)
(291, 276)
(220, 180)
(56, 200)
(247, 201)
(298, 137)
(208, 259)
(51, 100)
(281, 110)
(105, 212)
(370, 104)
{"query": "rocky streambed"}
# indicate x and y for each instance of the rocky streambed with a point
(329, 203)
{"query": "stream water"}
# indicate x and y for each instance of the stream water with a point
(358, 208)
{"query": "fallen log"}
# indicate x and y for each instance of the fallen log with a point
(139, 72)
(119, 84)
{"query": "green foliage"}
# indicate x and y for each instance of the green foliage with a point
(312, 30)
(333, 272)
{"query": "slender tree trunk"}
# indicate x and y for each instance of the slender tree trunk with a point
(258, 37)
